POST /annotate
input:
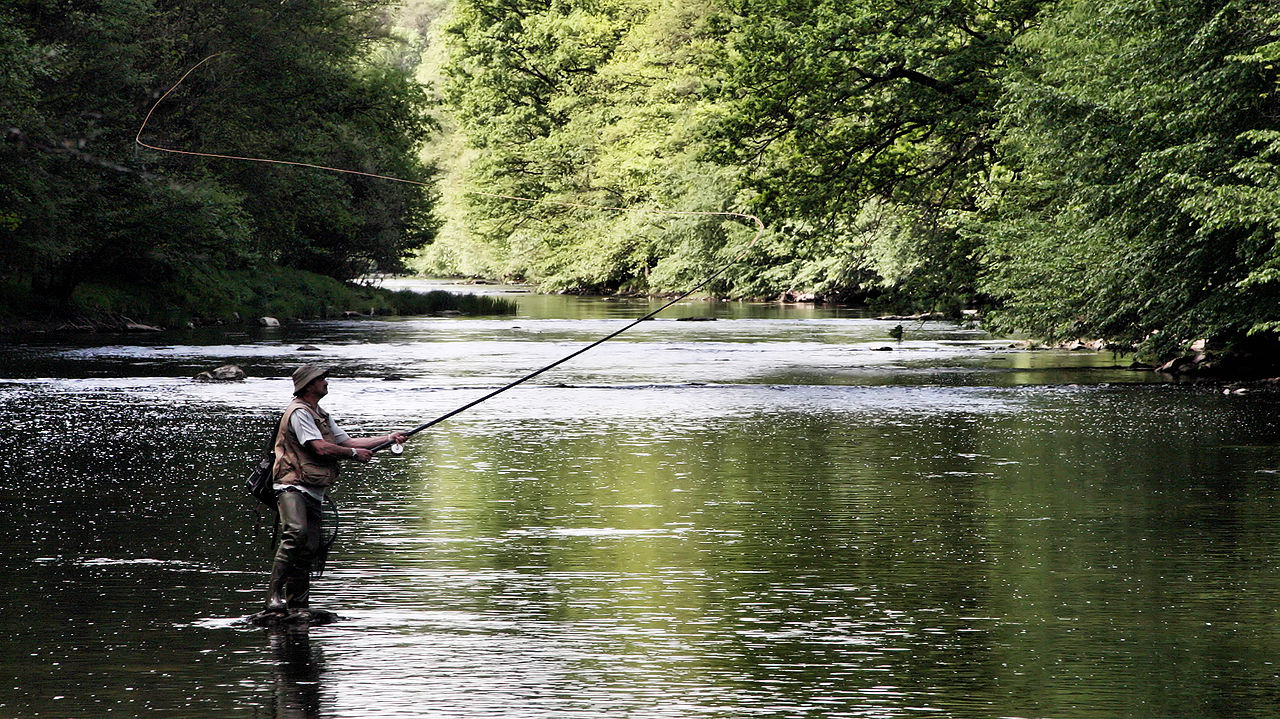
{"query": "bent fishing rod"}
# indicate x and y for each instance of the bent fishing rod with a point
(515, 383)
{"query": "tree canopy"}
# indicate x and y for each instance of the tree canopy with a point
(1136, 198)
(305, 81)
(1102, 169)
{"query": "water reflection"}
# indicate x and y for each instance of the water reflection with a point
(296, 674)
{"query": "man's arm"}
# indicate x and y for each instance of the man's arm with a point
(356, 448)
(324, 448)
(346, 447)
(370, 442)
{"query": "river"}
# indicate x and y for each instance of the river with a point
(779, 513)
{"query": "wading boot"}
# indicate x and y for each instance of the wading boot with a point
(297, 592)
(276, 588)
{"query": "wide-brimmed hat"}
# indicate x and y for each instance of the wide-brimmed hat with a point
(305, 375)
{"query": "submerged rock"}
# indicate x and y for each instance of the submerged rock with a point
(294, 618)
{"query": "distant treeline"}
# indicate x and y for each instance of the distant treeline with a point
(1081, 168)
(90, 223)
(1103, 169)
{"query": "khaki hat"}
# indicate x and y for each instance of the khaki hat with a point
(305, 375)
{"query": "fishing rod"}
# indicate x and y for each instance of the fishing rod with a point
(397, 448)
(562, 360)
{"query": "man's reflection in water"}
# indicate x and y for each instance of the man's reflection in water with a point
(295, 674)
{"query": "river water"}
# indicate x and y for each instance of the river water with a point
(779, 513)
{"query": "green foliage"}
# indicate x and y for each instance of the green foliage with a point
(307, 81)
(410, 302)
(600, 104)
(1107, 169)
(869, 132)
(1135, 203)
(230, 295)
(860, 131)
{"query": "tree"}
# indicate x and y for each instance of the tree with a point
(307, 82)
(1133, 206)
(869, 128)
(300, 81)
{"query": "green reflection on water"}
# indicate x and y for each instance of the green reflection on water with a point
(1023, 561)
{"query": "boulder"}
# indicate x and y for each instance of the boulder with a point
(308, 348)
(1178, 366)
(225, 373)
(268, 322)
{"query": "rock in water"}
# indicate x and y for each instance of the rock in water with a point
(139, 327)
(294, 618)
(225, 373)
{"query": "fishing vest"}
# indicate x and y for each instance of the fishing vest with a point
(295, 464)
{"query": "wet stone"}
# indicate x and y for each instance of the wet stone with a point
(294, 618)
(225, 373)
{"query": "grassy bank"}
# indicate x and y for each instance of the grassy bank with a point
(227, 296)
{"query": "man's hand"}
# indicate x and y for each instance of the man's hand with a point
(362, 455)
(398, 437)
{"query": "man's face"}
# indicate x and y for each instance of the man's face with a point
(320, 387)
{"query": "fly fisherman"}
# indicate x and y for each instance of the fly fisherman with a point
(308, 447)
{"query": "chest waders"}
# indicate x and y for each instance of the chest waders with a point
(303, 546)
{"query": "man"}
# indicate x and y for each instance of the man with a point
(308, 447)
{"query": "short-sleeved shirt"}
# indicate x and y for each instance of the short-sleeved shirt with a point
(303, 426)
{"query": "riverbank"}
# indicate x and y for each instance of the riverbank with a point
(223, 297)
